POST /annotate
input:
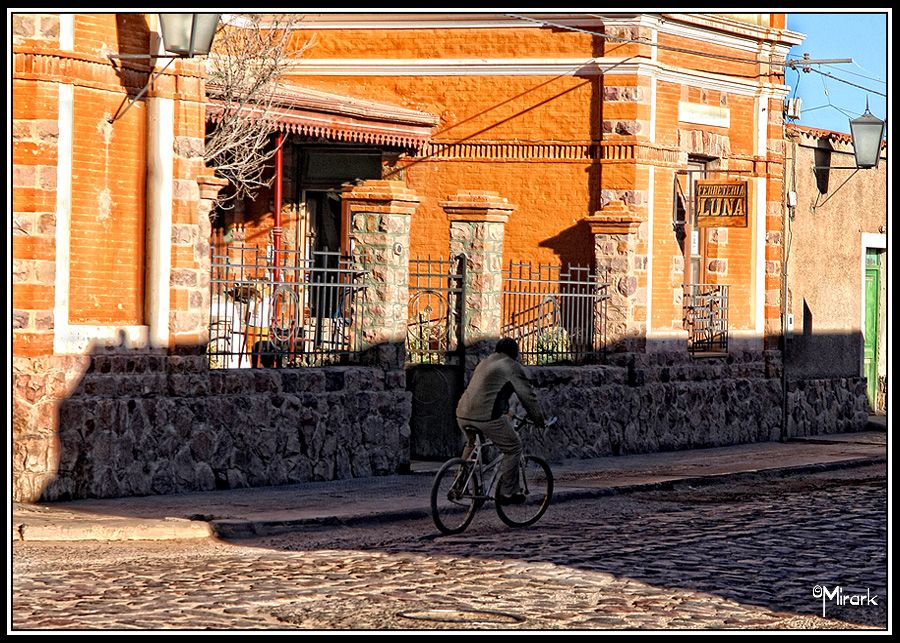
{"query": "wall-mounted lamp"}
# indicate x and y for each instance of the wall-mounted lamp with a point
(184, 35)
(867, 131)
(866, 134)
(188, 34)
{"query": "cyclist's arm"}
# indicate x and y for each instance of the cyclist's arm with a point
(525, 393)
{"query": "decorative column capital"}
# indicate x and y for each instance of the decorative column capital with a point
(614, 218)
(477, 206)
(381, 197)
(210, 186)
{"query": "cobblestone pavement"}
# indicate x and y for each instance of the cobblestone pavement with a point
(744, 555)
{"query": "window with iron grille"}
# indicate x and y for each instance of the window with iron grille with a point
(301, 310)
(706, 318)
(557, 314)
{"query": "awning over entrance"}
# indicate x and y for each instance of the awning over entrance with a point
(310, 112)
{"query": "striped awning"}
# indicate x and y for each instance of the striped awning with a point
(310, 112)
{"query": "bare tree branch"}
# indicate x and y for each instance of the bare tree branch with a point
(246, 66)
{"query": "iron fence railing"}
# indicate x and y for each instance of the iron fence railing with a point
(557, 314)
(436, 295)
(706, 318)
(299, 311)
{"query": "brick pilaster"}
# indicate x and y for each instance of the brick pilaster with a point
(615, 229)
(379, 213)
(477, 227)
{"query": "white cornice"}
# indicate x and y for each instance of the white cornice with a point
(526, 67)
(444, 67)
(322, 21)
(721, 26)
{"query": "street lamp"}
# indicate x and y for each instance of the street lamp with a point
(867, 132)
(184, 35)
(188, 34)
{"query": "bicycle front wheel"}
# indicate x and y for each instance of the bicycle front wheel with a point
(453, 496)
(537, 484)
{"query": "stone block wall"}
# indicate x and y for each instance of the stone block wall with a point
(144, 423)
(823, 406)
(643, 403)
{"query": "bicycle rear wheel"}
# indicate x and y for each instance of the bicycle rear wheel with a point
(537, 484)
(453, 496)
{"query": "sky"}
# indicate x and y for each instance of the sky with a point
(828, 103)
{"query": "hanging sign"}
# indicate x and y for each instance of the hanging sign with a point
(721, 203)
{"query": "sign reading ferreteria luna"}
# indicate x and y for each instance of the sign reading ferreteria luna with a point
(721, 203)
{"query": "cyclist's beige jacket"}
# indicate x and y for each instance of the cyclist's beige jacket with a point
(495, 379)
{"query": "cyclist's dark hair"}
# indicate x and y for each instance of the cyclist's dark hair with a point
(508, 346)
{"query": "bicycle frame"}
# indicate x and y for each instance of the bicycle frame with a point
(480, 470)
(492, 468)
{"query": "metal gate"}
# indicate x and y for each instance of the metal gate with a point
(435, 355)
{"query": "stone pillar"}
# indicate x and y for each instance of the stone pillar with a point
(477, 227)
(379, 213)
(615, 229)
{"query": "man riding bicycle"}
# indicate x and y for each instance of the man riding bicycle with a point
(484, 407)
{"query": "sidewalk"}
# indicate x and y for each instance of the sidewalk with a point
(243, 513)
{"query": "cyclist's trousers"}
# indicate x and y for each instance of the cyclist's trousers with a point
(501, 433)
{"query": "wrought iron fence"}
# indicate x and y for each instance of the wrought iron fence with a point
(434, 330)
(298, 311)
(557, 315)
(706, 318)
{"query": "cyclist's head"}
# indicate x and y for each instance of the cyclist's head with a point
(508, 346)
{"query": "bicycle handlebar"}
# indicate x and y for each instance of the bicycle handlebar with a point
(523, 419)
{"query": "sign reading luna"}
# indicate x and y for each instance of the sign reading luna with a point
(721, 203)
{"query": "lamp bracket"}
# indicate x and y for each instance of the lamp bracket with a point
(121, 112)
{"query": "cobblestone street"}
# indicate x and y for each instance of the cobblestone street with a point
(742, 555)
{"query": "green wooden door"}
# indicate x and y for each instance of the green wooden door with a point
(870, 351)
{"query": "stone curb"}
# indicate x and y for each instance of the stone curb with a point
(113, 529)
(118, 529)
(237, 529)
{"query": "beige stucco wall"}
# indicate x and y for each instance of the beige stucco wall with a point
(837, 213)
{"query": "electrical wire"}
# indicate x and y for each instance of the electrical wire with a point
(558, 25)
(852, 73)
(847, 82)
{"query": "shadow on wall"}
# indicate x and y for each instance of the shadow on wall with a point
(139, 423)
(133, 36)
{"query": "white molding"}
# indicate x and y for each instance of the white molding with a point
(759, 237)
(444, 67)
(667, 341)
(524, 67)
(160, 172)
(82, 338)
(873, 240)
(868, 240)
(712, 36)
(67, 31)
(651, 195)
(745, 340)
(65, 118)
(454, 20)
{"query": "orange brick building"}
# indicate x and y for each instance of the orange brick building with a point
(563, 114)
(592, 127)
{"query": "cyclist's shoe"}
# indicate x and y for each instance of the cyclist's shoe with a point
(517, 498)
(456, 491)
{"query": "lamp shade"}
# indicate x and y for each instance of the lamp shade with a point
(188, 34)
(867, 132)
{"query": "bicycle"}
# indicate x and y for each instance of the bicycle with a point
(462, 486)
